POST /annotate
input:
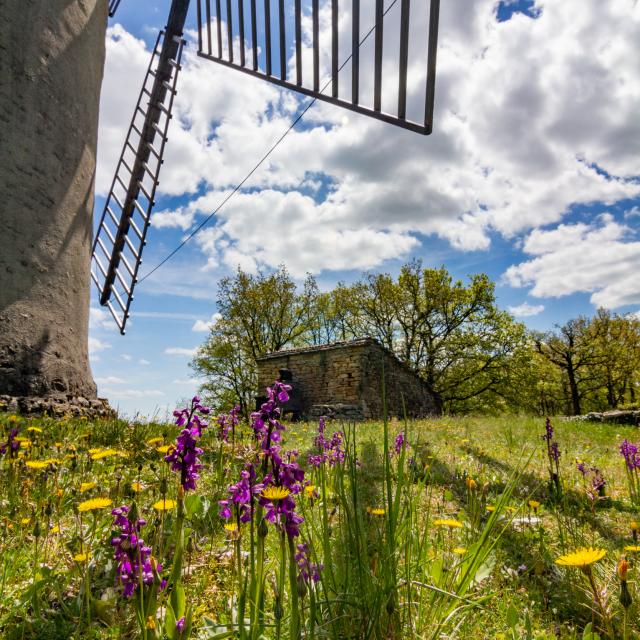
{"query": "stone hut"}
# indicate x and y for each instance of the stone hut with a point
(344, 380)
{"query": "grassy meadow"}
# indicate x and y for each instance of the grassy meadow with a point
(450, 531)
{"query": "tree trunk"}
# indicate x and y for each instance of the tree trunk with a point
(573, 387)
(51, 65)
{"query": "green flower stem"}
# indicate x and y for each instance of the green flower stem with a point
(294, 621)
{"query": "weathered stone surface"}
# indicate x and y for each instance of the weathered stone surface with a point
(619, 417)
(57, 406)
(349, 374)
(51, 63)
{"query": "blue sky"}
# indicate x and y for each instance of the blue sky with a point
(531, 176)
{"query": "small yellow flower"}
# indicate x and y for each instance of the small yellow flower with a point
(54, 530)
(151, 623)
(471, 483)
(25, 521)
(448, 522)
(459, 550)
(164, 505)
(25, 444)
(633, 548)
(634, 526)
(81, 558)
(13, 419)
(581, 558)
(275, 493)
(94, 450)
(164, 448)
(59, 493)
(231, 527)
(37, 464)
(137, 487)
(87, 486)
(375, 511)
(105, 453)
(534, 504)
(153, 441)
(34, 429)
(310, 490)
(94, 504)
(490, 508)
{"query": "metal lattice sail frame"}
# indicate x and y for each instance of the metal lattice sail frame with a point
(121, 234)
(210, 16)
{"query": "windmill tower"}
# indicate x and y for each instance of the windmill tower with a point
(50, 77)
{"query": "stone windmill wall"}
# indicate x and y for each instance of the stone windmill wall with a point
(51, 64)
(344, 380)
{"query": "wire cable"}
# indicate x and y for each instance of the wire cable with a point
(262, 159)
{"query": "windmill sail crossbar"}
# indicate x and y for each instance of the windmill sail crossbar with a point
(259, 41)
(113, 7)
(121, 234)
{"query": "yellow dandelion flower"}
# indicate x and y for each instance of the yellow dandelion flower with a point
(275, 493)
(310, 490)
(13, 419)
(375, 511)
(37, 464)
(634, 526)
(164, 448)
(81, 558)
(137, 487)
(465, 441)
(34, 429)
(634, 548)
(59, 493)
(490, 508)
(25, 444)
(25, 521)
(164, 505)
(153, 441)
(231, 527)
(94, 450)
(87, 486)
(581, 558)
(448, 522)
(151, 623)
(54, 530)
(534, 504)
(471, 483)
(460, 551)
(57, 445)
(105, 453)
(94, 504)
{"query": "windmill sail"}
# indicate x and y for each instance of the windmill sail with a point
(248, 46)
(120, 237)
(248, 36)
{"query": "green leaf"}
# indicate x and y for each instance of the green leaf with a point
(193, 504)
(178, 600)
(512, 616)
(170, 623)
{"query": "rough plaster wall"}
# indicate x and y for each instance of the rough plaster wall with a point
(51, 64)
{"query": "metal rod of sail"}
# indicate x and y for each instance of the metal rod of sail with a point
(404, 58)
(377, 80)
(208, 13)
(298, 12)
(254, 35)
(199, 19)
(283, 45)
(229, 31)
(170, 48)
(316, 44)
(355, 53)
(434, 15)
(219, 28)
(334, 48)
(267, 33)
(241, 27)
